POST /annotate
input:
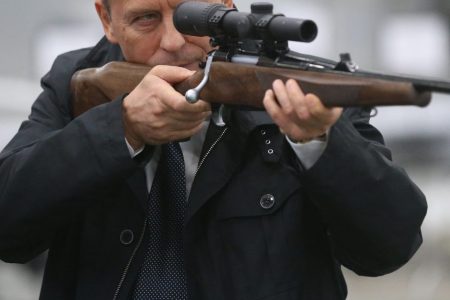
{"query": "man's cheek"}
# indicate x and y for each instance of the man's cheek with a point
(202, 42)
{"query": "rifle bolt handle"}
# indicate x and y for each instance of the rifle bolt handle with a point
(191, 96)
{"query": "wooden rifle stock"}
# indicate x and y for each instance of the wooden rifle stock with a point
(245, 85)
(94, 86)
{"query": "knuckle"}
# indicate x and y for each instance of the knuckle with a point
(157, 110)
(295, 134)
(158, 69)
(303, 114)
(178, 105)
(158, 125)
(155, 126)
(288, 109)
(311, 97)
(276, 116)
(292, 130)
(149, 77)
(315, 113)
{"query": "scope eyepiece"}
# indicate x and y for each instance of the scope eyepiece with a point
(216, 20)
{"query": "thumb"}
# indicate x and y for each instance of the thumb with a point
(171, 74)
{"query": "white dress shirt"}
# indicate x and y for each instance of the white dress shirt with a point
(308, 153)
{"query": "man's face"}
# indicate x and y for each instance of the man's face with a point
(145, 32)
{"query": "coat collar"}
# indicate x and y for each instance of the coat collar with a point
(102, 53)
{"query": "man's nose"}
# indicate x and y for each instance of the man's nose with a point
(171, 39)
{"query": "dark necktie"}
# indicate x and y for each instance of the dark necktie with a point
(162, 275)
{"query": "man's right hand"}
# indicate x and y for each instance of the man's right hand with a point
(155, 113)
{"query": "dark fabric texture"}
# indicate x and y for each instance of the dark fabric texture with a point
(257, 225)
(162, 275)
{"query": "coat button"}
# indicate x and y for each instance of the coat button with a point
(267, 201)
(126, 237)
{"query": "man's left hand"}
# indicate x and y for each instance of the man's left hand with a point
(301, 117)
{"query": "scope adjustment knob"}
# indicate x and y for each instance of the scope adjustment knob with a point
(263, 8)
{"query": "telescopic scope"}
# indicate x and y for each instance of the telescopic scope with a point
(216, 20)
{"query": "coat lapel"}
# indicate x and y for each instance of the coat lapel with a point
(138, 186)
(215, 171)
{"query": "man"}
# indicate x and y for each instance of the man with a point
(273, 211)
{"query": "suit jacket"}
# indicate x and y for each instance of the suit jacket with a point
(258, 225)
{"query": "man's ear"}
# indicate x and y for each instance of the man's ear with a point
(105, 18)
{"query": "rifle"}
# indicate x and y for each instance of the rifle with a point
(251, 52)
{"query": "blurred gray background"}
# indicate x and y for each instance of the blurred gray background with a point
(396, 36)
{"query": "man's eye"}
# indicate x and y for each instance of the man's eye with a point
(147, 18)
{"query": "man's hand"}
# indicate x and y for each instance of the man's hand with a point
(301, 117)
(155, 113)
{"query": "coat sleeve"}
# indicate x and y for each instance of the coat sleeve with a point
(55, 167)
(372, 209)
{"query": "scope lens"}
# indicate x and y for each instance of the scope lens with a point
(308, 31)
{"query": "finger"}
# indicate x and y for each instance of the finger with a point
(179, 132)
(282, 96)
(274, 110)
(318, 111)
(314, 104)
(270, 104)
(312, 114)
(295, 93)
(168, 96)
(163, 90)
(321, 117)
(171, 74)
(182, 127)
(178, 103)
(190, 117)
(294, 89)
(292, 127)
(199, 106)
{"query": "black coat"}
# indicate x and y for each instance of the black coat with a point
(258, 225)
